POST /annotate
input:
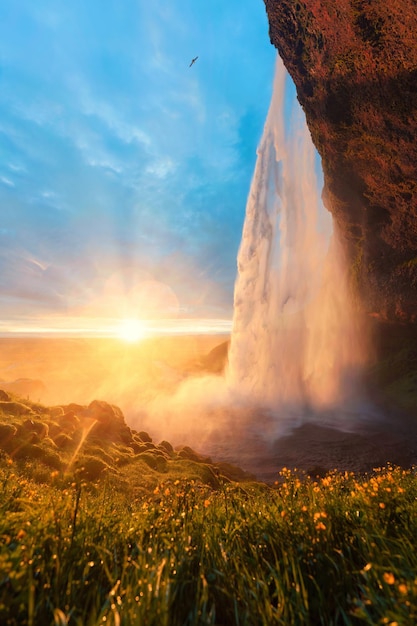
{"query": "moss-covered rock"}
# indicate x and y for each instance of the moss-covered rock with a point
(63, 441)
(144, 436)
(166, 447)
(154, 461)
(91, 467)
(10, 407)
(7, 432)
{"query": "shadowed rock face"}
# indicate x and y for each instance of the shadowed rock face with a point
(354, 63)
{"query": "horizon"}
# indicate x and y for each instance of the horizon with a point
(130, 331)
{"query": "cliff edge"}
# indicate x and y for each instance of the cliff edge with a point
(354, 64)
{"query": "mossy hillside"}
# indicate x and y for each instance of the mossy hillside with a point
(93, 442)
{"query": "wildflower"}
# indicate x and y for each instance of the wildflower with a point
(21, 534)
(206, 503)
(304, 508)
(320, 526)
(167, 491)
(367, 567)
(381, 505)
(403, 589)
(318, 515)
(389, 578)
(60, 618)
(283, 514)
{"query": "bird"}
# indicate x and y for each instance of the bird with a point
(193, 61)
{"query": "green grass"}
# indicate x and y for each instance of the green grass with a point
(337, 551)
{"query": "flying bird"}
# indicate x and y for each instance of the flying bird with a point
(193, 61)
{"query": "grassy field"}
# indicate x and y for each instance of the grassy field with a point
(339, 550)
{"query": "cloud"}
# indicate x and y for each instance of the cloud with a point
(117, 153)
(7, 181)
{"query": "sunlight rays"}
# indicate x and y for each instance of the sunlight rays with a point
(131, 330)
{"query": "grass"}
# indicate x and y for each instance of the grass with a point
(335, 551)
(99, 525)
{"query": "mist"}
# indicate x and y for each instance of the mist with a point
(297, 348)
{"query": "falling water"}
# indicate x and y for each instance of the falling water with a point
(296, 346)
(296, 343)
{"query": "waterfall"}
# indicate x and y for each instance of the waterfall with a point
(296, 343)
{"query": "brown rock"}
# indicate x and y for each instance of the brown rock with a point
(354, 64)
(110, 424)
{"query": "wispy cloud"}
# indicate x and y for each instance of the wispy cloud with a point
(7, 181)
(116, 154)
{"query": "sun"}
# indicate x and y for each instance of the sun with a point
(131, 330)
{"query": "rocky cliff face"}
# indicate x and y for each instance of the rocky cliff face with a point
(354, 63)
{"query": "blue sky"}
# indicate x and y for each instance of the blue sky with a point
(124, 172)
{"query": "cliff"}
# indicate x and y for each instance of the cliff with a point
(354, 64)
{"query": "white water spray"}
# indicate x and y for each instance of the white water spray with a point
(296, 348)
(295, 340)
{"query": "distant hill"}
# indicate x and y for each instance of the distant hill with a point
(216, 360)
(25, 387)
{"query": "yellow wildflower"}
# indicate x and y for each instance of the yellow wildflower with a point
(389, 578)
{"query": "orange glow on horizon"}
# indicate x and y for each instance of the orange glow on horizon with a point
(130, 330)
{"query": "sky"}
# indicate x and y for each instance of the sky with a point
(124, 172)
